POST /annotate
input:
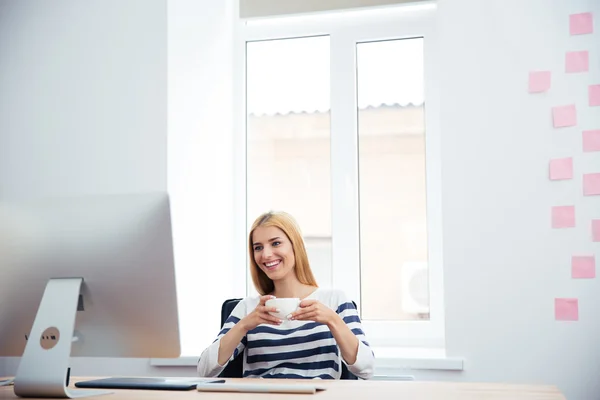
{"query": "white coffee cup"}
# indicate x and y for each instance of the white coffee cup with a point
(285, 305)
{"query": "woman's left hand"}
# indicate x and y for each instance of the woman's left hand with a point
(313, 310)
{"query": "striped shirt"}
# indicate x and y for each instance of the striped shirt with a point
(294, 349)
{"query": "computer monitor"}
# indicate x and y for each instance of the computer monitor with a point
(85, 276)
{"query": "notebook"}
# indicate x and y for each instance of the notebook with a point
(260, 387)
(144, 383)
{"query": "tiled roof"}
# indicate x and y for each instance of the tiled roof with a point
(283, 111)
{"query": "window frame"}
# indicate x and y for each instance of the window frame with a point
(389, 23)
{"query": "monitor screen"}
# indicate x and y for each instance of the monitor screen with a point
(90, 276)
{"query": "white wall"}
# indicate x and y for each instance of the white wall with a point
(83, 100)
(200, 167)
(266, 8)
(503, 265)
(88, 91)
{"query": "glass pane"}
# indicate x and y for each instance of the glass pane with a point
(393, 218)
(288, 139)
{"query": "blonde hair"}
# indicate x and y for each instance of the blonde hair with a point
(288, 225)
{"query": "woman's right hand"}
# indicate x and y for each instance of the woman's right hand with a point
(260, 315)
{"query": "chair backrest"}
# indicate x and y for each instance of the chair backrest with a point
(235, 368)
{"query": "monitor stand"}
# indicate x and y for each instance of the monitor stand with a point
(43, 368)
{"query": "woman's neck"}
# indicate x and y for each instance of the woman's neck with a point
(292, 287)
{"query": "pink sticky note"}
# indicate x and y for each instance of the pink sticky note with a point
(594, 94)
(566, 309)
(563, 216)
(539, 81)
(583, 267)
(591, 184)
(563, 116)
(561, 168)
(596, 230)
(581, 24)
(591, 141)
(576, 61)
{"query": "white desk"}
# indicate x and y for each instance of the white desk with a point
(371, 390)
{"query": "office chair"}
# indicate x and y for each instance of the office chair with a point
(235, 367)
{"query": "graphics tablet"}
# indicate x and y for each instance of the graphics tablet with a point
(267, 387)
(145, 383)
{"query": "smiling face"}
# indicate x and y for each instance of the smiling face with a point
(273, 252)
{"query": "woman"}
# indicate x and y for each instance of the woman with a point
(324, 331)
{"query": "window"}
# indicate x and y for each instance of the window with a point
(336, 133)
(392, 179)
(288, 139)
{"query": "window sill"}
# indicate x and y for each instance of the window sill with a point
(388, 360)
(391, 359)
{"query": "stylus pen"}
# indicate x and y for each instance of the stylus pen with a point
(255, 388)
